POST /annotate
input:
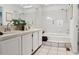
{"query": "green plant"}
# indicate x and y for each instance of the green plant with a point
(15, 22)
(18, 22)
(22, 22)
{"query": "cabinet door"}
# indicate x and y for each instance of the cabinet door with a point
(10, 46)
(35, 41)
(40, 38)
(27, 44)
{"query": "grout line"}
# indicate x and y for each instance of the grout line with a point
(40, 50)
(48, 50)
(51, 48)
(65, 49)
(57, 48)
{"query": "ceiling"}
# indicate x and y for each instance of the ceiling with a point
(42, 5)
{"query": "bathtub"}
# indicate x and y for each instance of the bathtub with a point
(58, 37)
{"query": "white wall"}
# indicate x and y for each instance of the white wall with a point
(56, 13)
(30, 16)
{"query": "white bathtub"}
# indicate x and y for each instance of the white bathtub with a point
(57, 37)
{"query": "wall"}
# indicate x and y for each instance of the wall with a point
(30, 16)
(56, 13)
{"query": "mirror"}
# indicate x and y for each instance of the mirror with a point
(8, 16)
(15, 14)
(0, 16)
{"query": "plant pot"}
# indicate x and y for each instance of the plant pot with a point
(20, 27)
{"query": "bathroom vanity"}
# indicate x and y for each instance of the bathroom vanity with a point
(20, 42)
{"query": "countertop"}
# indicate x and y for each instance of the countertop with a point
(11, 34)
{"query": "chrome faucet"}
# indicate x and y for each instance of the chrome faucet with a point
(8, 29)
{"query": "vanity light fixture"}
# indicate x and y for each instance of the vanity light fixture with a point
(27, 6)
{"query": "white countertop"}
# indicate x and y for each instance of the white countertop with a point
(11, 34)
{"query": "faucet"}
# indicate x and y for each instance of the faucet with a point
(8, 29)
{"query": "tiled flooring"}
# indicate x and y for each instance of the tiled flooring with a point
(47, 49)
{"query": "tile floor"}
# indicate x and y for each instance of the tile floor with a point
(52, 49)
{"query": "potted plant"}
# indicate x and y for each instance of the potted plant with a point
(20, 24)
(15, 22)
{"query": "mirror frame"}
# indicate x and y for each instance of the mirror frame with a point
(8, 16)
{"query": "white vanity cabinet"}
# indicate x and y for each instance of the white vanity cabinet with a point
(22, 43)
(30, 42)
(10, 46)
(27, 44)
(40, 38)
(35, 41)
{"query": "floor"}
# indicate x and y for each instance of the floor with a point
(53, 49)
